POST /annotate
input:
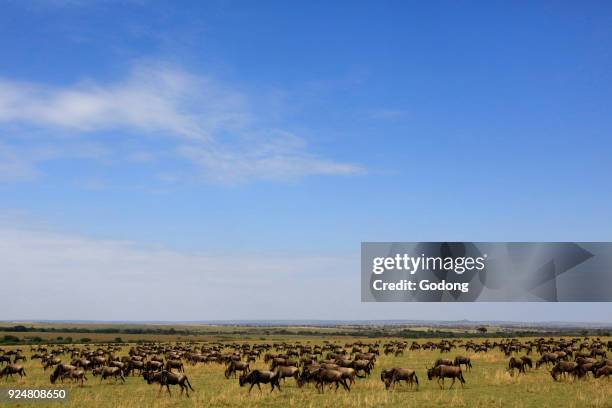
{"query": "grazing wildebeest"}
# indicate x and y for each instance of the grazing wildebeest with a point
(98, 361)
(563, 367)
(280, 362)
(119, 365)
(106, 372)
(307, 374)
(348, 373)
(325, 376)
(134, 365)
(586, 360)
(75, 375)
(257, 377)
(365, 356)
(604, 371)
(306, 360)
(50, 362)
(517, 363)
(547, 358)
(462, 360)
(154, 365)
(443, 361)
(234, 366)
(583, 369)
(18, 357)
(5, 359)
(287, 371)
(362, 365)
(444, 371)
(11, 369)
(60, 369)
(82, 362)
(344, 362)
(395, 375)
(527, 362)
(168, 378)
(606, 362)
(170, 364)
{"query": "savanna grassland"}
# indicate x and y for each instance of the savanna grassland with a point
(488, 384)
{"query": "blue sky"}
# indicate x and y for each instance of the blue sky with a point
(222, 132)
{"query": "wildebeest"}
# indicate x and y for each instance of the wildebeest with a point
(444, 371)
(326, 376)
(563, 367)
(257, 377)
(280, 361)
(98, 361)
(106, 372)
(287, 371)
(134, 365)
(170, 364)
(586, 360)
(604, 371)
(583, 369)
(598, 352)
(528, 362)
(5, 359)
(547, 358)
(82, 362)
(394, 375)
(19, 357)
(168, 378)
(462, 360)
(365, 356)
(50, 362)
(154, 365)
(234, 366)
(443, 361)
(60, 369)
(517, 363)
(75, 375)
(362, 365)
(11, 369)
(348, 373)
(307, 374)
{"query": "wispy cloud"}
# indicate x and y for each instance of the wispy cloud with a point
(18, 162)
(150, 100)
(210, 124)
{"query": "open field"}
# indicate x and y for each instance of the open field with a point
(488, 384)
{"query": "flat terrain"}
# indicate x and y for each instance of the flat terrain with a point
(488, 384)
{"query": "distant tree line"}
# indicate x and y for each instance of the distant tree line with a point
(371, 332)
(100, 330)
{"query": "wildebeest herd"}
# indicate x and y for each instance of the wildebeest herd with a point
(320, 366)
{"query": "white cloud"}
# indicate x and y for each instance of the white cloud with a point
(281, 156)
(150, 100)
(210, 124)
